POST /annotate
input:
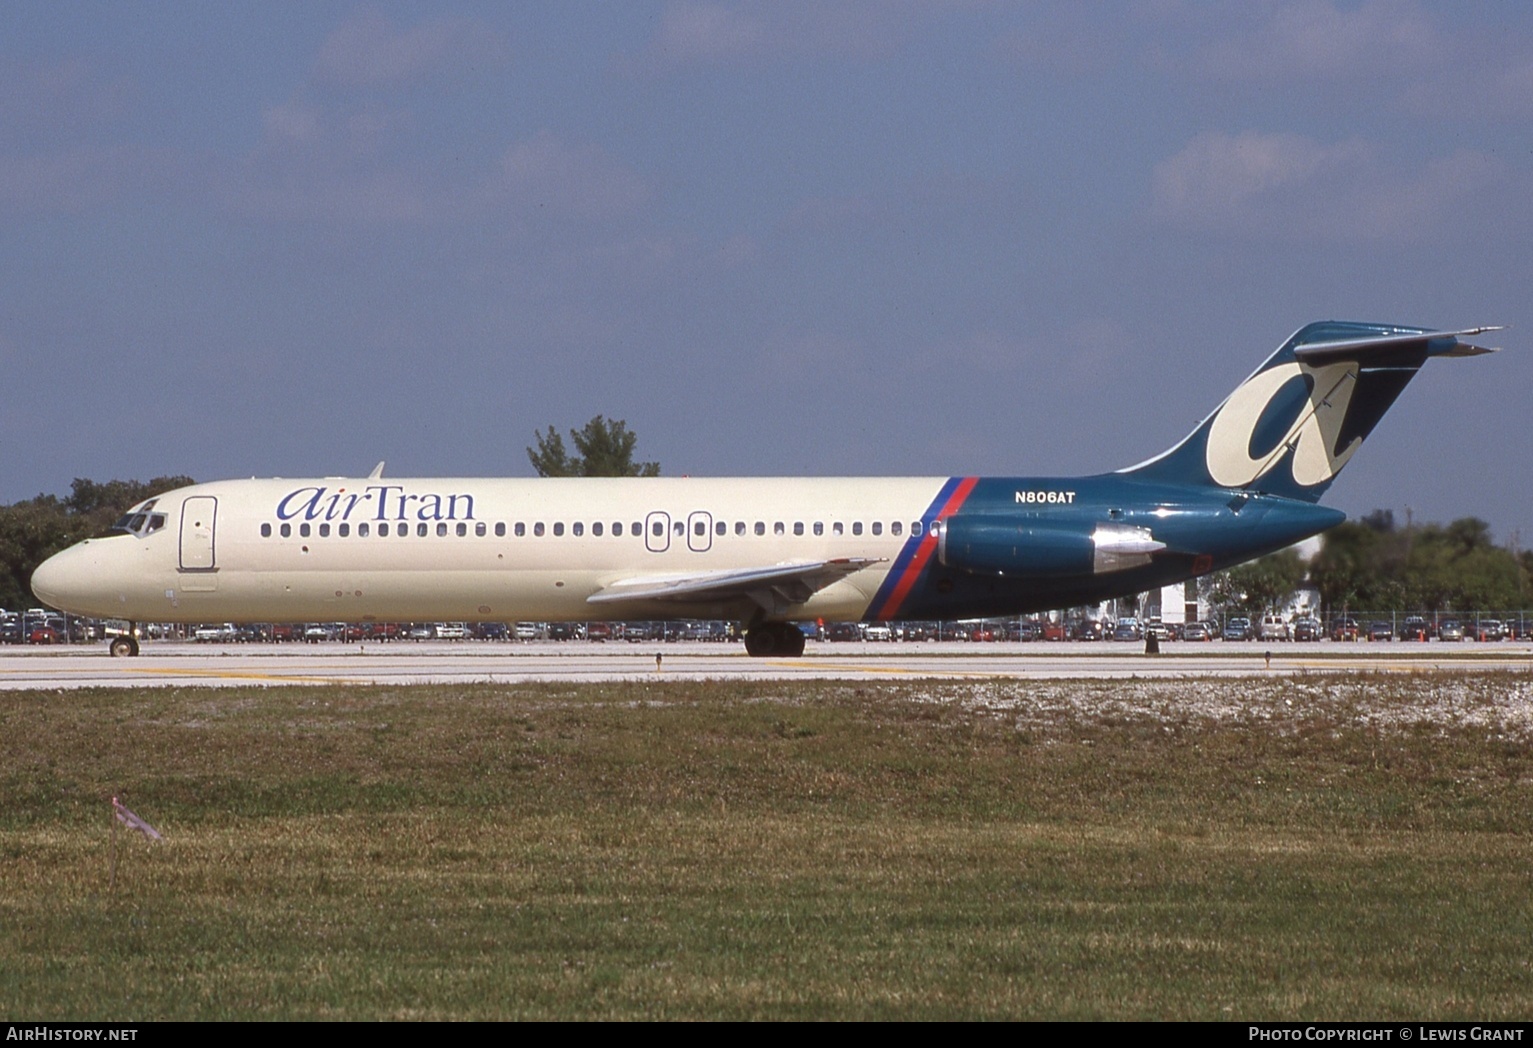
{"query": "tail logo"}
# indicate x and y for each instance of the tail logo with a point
(1312, 433)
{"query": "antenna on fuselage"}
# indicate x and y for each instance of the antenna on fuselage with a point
(376, 473)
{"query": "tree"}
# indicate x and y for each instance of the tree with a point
(34, 530)
(603, 449)
(1256, 588)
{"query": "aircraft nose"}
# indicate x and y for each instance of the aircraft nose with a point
(62, 580)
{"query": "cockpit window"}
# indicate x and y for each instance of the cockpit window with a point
(141, 523)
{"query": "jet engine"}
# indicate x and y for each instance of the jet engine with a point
(998, 546)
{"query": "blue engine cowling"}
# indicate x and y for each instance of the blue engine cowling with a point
(984, 545)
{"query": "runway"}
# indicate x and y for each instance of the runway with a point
(168, 663)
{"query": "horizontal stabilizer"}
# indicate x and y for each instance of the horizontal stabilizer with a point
(1438, 343)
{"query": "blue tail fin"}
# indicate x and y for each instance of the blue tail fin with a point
(1290, 428)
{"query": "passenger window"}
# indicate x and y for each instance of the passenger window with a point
(856, 527)
(915, 527)
(383, 530)
(798, 527)
(819, 527)
(441, 529)
(617, 528)
(596, 528)
(462, 529)
(760, 527)
(303, 531)
(287, 530)
(362, 531)
(343, 530)
(699, 529)
(266, 531)
(420, 530)
(537, 530)
(577, 529)
(480, 529)
(636, 530)
(720, 528)
(838, 528)
(679, 528)
(778, 529)
(878, 527)
(896, 528)
(558, 529)
(658, 529)
(500, 529)
(739, 527)
(324, 531)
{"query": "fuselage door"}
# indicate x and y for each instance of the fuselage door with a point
(657, 532)
(198, 516)
(699, 531)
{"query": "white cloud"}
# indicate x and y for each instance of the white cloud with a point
(370, 50)
(579, 180)
(1290, 186)
(355, 168)
(1220, 175)
(1311, 39)
(707, 33)
(693, 33)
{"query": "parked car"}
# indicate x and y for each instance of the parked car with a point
(1238, 628)
(1381, 630)
(1273, 628)
(1086, 629)
(1307, 630)
(1344, 629)
(1451, 630)
(222, 633)
(1490, 629)
(1127, 630)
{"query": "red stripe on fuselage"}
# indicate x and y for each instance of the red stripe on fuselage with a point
(924, 551)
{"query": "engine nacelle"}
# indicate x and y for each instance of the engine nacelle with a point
(998, 546)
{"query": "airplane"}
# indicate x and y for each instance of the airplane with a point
(766, 552)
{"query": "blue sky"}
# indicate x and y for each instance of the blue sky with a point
(825, 238)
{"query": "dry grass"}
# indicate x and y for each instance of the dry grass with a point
(1331, 847)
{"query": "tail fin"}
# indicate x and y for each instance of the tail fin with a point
(1290, 428)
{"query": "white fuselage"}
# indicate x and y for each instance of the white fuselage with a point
(481, 549)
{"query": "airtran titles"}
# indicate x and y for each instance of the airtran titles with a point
(374, 502)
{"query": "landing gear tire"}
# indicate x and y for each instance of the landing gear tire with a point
(123, 647)
(781, 639)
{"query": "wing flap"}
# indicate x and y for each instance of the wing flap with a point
(770, 588)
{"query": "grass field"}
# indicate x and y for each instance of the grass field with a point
(1322, 847)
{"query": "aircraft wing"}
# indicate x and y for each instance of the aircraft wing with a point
(771, 588)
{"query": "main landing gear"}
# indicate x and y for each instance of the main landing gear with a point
(124, 646)
(774, 638)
